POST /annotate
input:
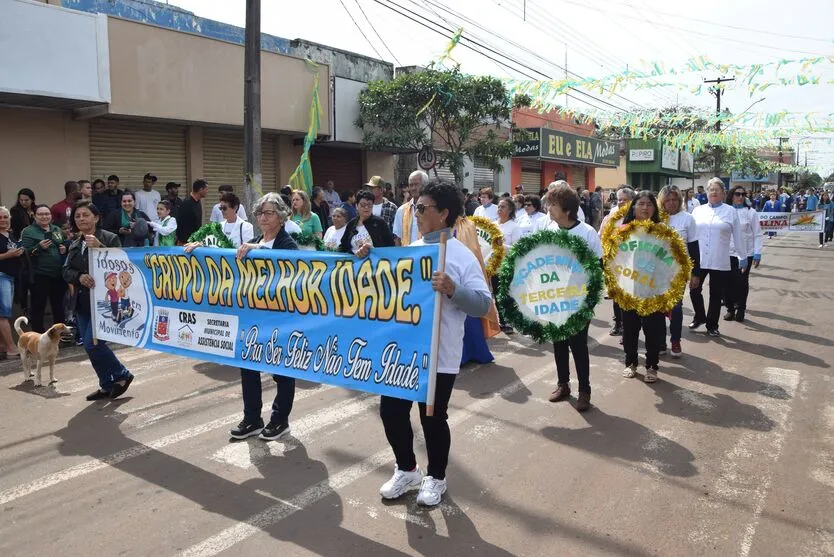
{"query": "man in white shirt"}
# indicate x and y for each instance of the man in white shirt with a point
(331, 196)
(147, 198)
(217, 214)
(464, 292)
(405, 222)
(488, 209)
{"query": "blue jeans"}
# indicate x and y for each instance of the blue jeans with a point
(107, 366)
(676, 323)
(250, 382)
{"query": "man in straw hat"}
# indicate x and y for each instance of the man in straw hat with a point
(382, 207)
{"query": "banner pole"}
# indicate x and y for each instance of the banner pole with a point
(435, 336)
(92, 296)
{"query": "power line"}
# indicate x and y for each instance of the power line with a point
(571, 32)
(516, 45)
(350, 15)
(699, 33)
(487, 48)
(391, 52)
(737, 27)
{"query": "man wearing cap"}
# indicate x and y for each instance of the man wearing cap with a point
(382, 207)
(147, 198)
(173, 197)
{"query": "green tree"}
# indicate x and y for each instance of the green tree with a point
(810, 180)
(460, 115)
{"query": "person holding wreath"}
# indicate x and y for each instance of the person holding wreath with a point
(643, 207)
(563, 206)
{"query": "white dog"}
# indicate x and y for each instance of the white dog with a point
(43, 346)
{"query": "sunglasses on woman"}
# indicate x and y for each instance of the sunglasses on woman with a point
(739, 193)
(422, 208)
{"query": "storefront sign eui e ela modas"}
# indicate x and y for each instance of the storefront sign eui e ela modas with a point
(560, 146)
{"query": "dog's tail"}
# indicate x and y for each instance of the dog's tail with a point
(18, 321)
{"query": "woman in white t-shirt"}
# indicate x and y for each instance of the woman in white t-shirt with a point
(465, 292)
(530, 217)
(237, 230)
(333, 236)
(563, 206)
(671, 200)
(512, 232)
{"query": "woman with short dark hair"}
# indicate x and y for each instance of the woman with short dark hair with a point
(563, 206)
(366, 230)
(113, 377)
(465, 292)
(643, 207)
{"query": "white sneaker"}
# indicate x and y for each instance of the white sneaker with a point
(431, 491)
(820, 246)
(630, 371)
(400, 483)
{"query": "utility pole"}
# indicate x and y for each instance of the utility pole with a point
(779, 174)
(718, 91)
(252, 104)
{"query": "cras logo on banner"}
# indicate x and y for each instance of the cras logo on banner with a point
(123, 309)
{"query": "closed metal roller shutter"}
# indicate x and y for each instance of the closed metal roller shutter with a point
(223, 164)
(531, 177)
(343, 166)
(132, 149)
(443, 173)
(578, 175)
(484, 176)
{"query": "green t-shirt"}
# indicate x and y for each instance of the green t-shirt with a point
(311, 225)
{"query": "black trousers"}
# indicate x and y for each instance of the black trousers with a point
(396, 419)
(46, 289)
(654, 331)
(250, 382)
(578, 346)
(717, 282)
(618, 314)
(738, 285)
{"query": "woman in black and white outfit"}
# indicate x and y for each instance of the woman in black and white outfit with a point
(563, 207)
(717, 224)
(738, 286)
(237, 230)
(465, 292)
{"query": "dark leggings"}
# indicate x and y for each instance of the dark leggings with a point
(654, 330)
(578, 346)
(396, 419)
(738, 286)
(46, 289)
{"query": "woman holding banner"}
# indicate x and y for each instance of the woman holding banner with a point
(465, 292)
(738, 286)
(772, 205)
(113, 377)
(671, 201)
(272, 214)
(717, 223)
(643, 207)
(563, 205)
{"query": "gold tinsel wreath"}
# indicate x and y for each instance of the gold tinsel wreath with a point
(619, 214)
(662, 302)
(497, 243)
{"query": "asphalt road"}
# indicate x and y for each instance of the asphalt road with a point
(730, 453)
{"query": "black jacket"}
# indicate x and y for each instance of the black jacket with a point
(77, 264)
(108, 203)
(377, 228)
(282, 241)
(113, 222)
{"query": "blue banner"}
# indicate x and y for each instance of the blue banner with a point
(362, 324)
